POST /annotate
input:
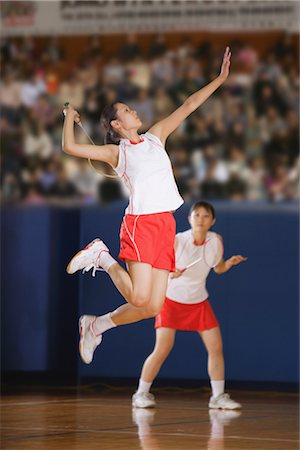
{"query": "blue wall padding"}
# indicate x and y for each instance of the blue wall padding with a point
(39, 301)
(25, 288)
(256, 303)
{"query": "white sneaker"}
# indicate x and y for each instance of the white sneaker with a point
(143, 400)
(88, 258)
(88, 341)
(223, 401)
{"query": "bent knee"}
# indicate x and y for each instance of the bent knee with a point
(139, 300)
(152, 311)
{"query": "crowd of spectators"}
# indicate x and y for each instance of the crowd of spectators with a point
(242, 144)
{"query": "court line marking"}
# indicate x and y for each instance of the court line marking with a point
(38, 402)
(60, 432)
(128, 404)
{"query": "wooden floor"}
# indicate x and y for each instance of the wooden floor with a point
(106, 421)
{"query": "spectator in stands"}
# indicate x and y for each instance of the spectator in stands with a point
(277, 183)
(255, 178)
(130, 49)
(257, 112)
(144, 107)
(72, 91)
(54, 50)
(37, 141)
(32, 88)
(62, 189)
(158, 46)
(86, 181)
(162, 103)
(183, 171)
(10, 96)
(236, 188)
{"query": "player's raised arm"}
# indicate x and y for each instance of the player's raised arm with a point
(107, 153)
(165, 127)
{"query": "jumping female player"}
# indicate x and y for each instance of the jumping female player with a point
(148, 229)
(187, 308)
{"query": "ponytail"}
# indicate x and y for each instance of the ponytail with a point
(112, 137)
(109, 113)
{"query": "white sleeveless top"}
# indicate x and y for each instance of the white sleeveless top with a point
(190, 287)
(146, 171)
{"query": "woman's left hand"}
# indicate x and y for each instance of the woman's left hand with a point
(225, 64)
(235, 260)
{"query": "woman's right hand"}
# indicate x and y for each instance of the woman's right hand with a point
(71, 112)
(176, 274)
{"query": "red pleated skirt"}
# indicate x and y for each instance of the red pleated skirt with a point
(180, 316)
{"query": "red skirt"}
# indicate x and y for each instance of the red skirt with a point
(180, 316)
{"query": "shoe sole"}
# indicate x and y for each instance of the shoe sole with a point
(81, 325)
(69, 265)
(143, 407)
(224, 409)
(79, 253)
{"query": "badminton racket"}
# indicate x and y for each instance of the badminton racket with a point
(79, 123)
(211, 253)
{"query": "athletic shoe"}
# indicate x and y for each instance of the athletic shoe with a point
(88, 258)
(143, 400)
(88, 341)
(223, 401)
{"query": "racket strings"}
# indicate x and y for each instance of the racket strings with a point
(213, 252)
(100, 171)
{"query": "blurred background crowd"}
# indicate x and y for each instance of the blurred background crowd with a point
(241, 145)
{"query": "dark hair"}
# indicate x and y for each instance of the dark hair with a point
(109, 113)
(207, 206)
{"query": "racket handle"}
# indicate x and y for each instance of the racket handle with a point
(77, 121)
(66, 104)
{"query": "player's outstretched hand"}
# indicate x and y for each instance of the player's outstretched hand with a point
(235, 260)
(225, 64)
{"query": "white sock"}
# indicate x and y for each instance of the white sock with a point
(143, 386)
(106, 260)
(102, 324)
(217, 387)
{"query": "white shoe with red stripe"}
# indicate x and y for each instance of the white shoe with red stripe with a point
(88, 340)
(88, 258)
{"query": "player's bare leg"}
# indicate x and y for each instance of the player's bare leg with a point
(213, 342)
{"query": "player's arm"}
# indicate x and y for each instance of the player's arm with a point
(165, 127)
(108, 153)
(225, 265)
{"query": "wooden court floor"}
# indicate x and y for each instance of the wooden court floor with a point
(181, 420)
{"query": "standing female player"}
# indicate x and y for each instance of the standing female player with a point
(187, 308)
(148, 229)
